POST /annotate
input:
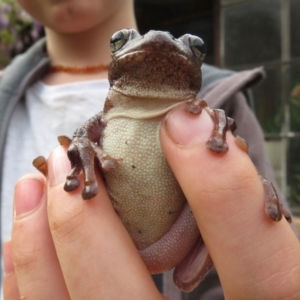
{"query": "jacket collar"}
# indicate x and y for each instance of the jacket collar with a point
(22, 72)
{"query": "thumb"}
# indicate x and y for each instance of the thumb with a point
(227, 200)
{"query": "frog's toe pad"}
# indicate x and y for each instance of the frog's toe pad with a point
(40, 163)
(272, 210)
(71, 184)
(90, 191)
(217, 145)
(64, 141)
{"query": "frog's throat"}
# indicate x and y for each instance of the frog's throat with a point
(142, 113)
(138, 108)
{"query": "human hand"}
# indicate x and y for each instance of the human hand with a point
(255, 257)
(67, 248)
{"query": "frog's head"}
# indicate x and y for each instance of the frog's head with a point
(156, 65)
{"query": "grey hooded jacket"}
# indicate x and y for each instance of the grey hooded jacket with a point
(220, 88)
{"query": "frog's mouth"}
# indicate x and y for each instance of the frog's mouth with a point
(156, 56)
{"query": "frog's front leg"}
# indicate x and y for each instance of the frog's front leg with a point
(82, 152)
(217, 141)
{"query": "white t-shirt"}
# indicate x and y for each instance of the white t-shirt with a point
(47, 112)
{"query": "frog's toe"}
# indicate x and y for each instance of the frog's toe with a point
(273, 207)
(40, 163)
(273, 211)
(108, 163)
(90, 191)
(217, 145)
(64, 141)
(71, 183)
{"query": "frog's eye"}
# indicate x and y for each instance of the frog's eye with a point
(198, 47)
(118, 39)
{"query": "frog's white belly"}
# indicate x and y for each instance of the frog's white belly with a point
(143, 188)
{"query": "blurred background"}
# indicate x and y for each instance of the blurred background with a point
(240, 34)
(243, 34)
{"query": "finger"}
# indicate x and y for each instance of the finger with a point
(251, 252)
(10, 285)
(97, 256)
(36, 265)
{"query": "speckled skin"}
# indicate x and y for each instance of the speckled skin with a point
(150, 188)
(143, 188)
(149, 75)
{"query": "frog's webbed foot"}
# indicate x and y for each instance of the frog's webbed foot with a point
(273, 207)
(82, 151)
(217, 141)
(193, 268)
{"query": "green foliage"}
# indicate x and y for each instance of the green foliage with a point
(17, 30)
(294, 158)
(295, 190)
(273, 125)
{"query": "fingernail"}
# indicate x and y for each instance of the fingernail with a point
(59, 166)
(28, 194)
(7, 258)
(186, 129)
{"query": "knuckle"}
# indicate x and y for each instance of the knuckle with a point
(65, 223)
(25, 254)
